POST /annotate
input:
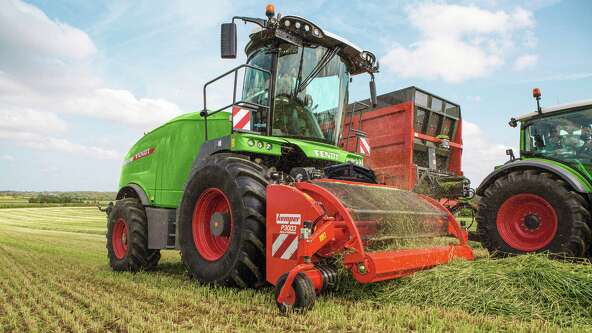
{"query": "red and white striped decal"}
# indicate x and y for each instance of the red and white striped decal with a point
(241, 119)
(364, 146)
(284, 246)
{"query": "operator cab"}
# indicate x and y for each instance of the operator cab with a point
(296, 78)
(565, 135)
(562, 132)
(310, 91)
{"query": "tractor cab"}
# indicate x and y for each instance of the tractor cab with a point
(296, 78)
(561, 133)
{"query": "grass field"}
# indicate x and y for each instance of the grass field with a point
(54, 277)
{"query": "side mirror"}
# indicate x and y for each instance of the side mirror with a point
(373, 97)
(228, 40)
(510, 153)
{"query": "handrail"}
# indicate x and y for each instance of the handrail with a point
(204, 113)
(350, 128)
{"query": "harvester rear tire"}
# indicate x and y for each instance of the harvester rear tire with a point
(503, 230)
(303, 294)
(129, 252)
(239, 185)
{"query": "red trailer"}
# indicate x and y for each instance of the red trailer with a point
(412, 140)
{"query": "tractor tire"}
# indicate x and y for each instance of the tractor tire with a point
(533, 211)
(127, 238)
(222, 222)
(301, 297)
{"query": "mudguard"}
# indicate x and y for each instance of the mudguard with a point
(568, 177)
(129, 190)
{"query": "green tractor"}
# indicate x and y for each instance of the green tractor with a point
(198, 183)
(541, 202)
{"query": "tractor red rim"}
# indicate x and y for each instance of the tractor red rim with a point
(210, 246)
(119, 238)
(527, 222)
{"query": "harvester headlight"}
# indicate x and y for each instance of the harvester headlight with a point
(306, 28)
(251, 142)
(297, 25)
(259, 144)
(287, 23)
(268, 146)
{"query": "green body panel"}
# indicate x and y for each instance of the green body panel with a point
(248, 142)
(582, 175)
(162, 174)
(161, 161)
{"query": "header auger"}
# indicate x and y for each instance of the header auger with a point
(263, 194)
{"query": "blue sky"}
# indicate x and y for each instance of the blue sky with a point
(80, 81)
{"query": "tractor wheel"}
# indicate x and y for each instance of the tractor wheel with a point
(533, 211)
(301, 296)
(127, 238)
(222, 222)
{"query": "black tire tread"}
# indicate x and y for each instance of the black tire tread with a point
(249, 178)
(139, 256)
(580, 237)
(304, 289)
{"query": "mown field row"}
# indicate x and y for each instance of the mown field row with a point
(54, 277)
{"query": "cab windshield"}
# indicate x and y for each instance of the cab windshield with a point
(310, 92)
(566, 137)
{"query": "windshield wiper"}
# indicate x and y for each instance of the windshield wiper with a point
(325, 59)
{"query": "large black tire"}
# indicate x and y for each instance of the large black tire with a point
(303, 293)
(243, 184)
(130, 214)
(530, 188)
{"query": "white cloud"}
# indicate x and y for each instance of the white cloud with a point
(458, 42)
(31, 121)
(46, 69)
(480, 154)
(26, 27)
(122, 107)
(526, 61)
(50, 143)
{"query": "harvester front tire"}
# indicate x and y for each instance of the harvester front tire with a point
(302, 296)
(520, 210)
(127, 238)
(231, 186)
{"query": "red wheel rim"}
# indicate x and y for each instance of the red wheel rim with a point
(210, 246)
(119, 238)
(527, 222)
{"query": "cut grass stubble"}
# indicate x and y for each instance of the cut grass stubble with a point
(54, 276)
